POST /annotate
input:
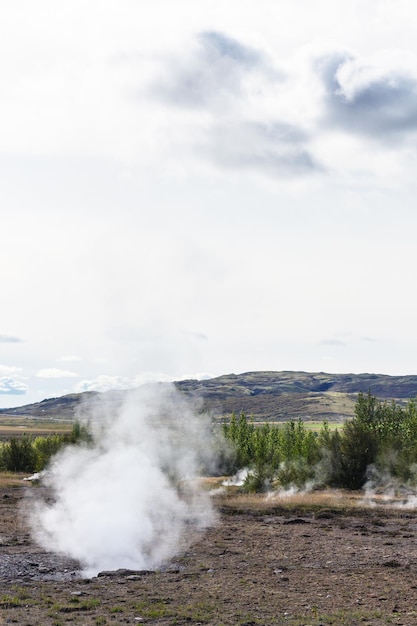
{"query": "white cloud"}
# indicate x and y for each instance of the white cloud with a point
(109, 383)
(106, 383)
(9, 369)
(12, 386)
(196, 376)
(69, 358)
(55, 373)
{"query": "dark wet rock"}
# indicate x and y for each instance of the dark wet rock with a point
(124, 573)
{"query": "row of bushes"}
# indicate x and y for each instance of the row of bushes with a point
(380, 439)
(32, 454)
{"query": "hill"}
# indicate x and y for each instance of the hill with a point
(278, 396)
(267, 396)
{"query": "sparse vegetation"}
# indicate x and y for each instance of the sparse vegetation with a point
(200, 612)
(75, 606)
(298, 560)
(7, 601)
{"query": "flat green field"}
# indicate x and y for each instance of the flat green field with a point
(16, 427)
(317, 426)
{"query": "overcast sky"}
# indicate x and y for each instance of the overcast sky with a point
(199, 188)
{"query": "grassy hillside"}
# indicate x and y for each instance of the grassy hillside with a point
(278, 396)
(268, 396)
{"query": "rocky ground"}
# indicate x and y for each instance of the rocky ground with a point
(312, 563)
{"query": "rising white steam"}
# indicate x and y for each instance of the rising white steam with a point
(383, 488)
(130, 499)
(238, 480)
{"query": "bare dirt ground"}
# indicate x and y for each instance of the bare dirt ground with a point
(325, 560)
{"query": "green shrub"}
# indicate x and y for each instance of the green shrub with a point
(25, 454)
(382, 435)
(18, 455)
(46, 447)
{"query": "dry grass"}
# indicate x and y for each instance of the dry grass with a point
(232, 499)
(315, 500)
(11, 479)
(7, 432)
(31, 422)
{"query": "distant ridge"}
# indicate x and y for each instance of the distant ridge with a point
(278, 396)
(267, 396)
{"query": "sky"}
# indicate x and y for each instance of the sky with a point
(190, 189)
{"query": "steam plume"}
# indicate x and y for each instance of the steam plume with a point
(129, 499)
(383, 488)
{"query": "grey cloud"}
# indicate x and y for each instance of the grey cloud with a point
(215, 72)
(9, 339)
(217, 45)
(276, 149)
(54, 372)
(214, 78)
(11, 386)
(381, 104)
(332, 342)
